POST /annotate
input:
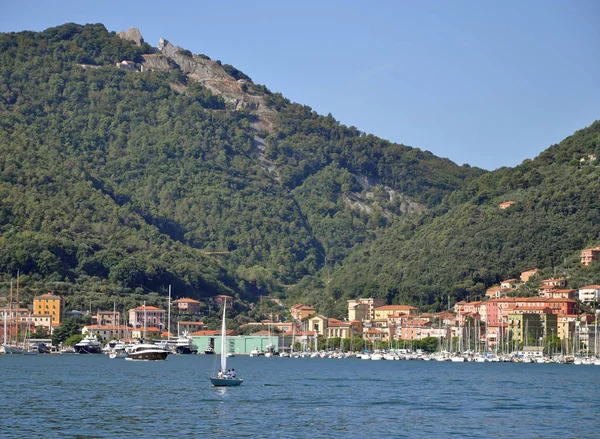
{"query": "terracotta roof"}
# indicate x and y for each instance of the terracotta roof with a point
(111, 327)
(594, 287)
(394, 307)
(186, 300)
(147, 308)
(48, 296)
(375, 331)
(417, 323)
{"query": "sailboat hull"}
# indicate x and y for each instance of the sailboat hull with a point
(226, 382)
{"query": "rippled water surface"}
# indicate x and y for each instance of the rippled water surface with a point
(83, 396)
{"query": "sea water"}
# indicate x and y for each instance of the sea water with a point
(92, 396)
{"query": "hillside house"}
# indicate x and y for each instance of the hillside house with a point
(589, 255)
(589, 294)
(555, 282)
(510, 284)
(188, 305)
(301, 311)
(528, 274)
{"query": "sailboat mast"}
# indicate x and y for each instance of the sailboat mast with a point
(4, 340)
(17, 313)
(169, 317)
(9, 315)
(223, 329)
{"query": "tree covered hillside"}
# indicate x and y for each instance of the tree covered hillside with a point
(120, 180)
(467, 243)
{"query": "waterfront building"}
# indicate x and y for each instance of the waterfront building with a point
(149, 316)
(189, 326)
(145, 333)
(42, 321)
(110, 332)
(108, 318)
(375, 335)
(363, 309)
(235, 343)
(340, 329)
(318, 324)
(52, 304)
(567, 324)
(531, 328)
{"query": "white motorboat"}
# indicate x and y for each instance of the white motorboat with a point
(146, 352)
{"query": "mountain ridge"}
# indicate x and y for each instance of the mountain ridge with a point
(118, 178)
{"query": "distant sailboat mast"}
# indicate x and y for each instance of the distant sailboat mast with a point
(9, 314)
(17, 314)
(169, 317)
(223, 329)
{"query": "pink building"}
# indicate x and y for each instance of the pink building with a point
(149, 316)
(188, 305)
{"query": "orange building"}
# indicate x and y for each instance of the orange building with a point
(49, 304)
(300, 311)
(528, 274)
(589, 255)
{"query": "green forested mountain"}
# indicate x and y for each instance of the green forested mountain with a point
(466, 243)
(118, 181)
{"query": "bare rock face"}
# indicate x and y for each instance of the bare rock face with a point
(132, 34)
(212, 76)
(157, 63)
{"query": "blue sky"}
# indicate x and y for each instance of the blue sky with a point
(480, 82)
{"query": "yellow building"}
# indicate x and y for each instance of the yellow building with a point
(363, 309)
(49, 304)
(386, 311)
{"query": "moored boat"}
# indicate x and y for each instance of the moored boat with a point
(146, 352)
(89, 345)
(185, 345)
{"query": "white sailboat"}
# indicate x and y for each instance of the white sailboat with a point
(222, 378)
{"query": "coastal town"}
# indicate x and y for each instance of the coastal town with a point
(499, 323)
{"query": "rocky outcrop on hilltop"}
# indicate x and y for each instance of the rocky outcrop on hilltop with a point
(213, 76)
(237, 92)
(132, 34)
